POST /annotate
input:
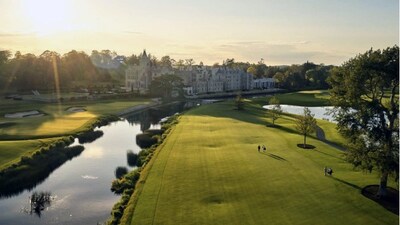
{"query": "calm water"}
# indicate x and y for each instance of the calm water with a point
(80, 188)
(319, 112)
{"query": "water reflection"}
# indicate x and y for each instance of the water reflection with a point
(131, 158)
(319, 112)
(151, 117)
(83, 184)
(38, 202)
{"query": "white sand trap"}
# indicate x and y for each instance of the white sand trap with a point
(76, 109)
(33, 113)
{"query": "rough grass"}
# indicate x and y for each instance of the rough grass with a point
(210, 172)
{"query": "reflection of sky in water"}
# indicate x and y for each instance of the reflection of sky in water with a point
(93, 153)
(319, 112)
(81, 186)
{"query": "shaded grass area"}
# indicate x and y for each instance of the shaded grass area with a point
(210, 172)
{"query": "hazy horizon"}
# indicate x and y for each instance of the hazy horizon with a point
(281, 32)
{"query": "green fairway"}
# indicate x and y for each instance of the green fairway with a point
(210, 172)
(11, 151)
(57, 121)
(23, 136)
(301, 98)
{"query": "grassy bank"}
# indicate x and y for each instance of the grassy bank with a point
(210, 172)
(25, 136)
(301, 98)
(57, 121)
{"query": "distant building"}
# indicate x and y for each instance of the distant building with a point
(263, 83)
(197, 79)
(204, 79)
(138, 77)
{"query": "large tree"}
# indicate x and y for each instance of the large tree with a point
(306, 124)
(164, 85)
(365, 92)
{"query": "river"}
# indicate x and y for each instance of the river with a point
(80, 188)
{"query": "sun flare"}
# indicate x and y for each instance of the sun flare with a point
(48, 16)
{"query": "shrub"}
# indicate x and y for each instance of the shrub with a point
(153, 132)
(120, 171)
(90, 136)
(132, 158)
(145, 140)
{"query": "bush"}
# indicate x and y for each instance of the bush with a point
(127, 184)
(145, 140)
(120, 171)
(153, 132)
(90, 136)
(132, 158)
(30, 171)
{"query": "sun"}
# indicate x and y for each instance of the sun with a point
(48, 16)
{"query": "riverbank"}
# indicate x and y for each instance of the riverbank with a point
(233, 94)
(25, 136)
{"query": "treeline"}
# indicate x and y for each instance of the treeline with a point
(26, 72)
(305, 76)
(106, 69)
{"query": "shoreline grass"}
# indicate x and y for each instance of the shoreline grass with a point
(25, 136)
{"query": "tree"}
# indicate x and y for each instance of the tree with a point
(365, 93)
(4, 59)
(189, 62)
(229, 62)
(165, 84)
(166, 61)
(306, 124)
(252, 70)
(239, 102)
(276, 110)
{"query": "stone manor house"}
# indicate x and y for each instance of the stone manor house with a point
(197, 79)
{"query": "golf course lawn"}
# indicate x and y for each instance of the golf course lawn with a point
(208, 171)
(301, 98)
(24, 136)
(57, 121)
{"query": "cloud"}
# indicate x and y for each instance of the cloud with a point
(133, 32)
(16, 34)
(276, 53)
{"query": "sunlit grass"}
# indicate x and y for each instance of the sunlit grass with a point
(56, 123)
(57, 120)
(301, 98)
(210, 172)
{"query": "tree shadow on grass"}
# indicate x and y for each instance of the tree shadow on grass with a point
(306, 146)
(347, 183)
(390, 202)
(330, 155)
(274, 156)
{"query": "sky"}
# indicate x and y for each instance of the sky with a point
(281, 32)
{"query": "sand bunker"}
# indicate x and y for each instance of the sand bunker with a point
(76, 109)
(33, 113)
